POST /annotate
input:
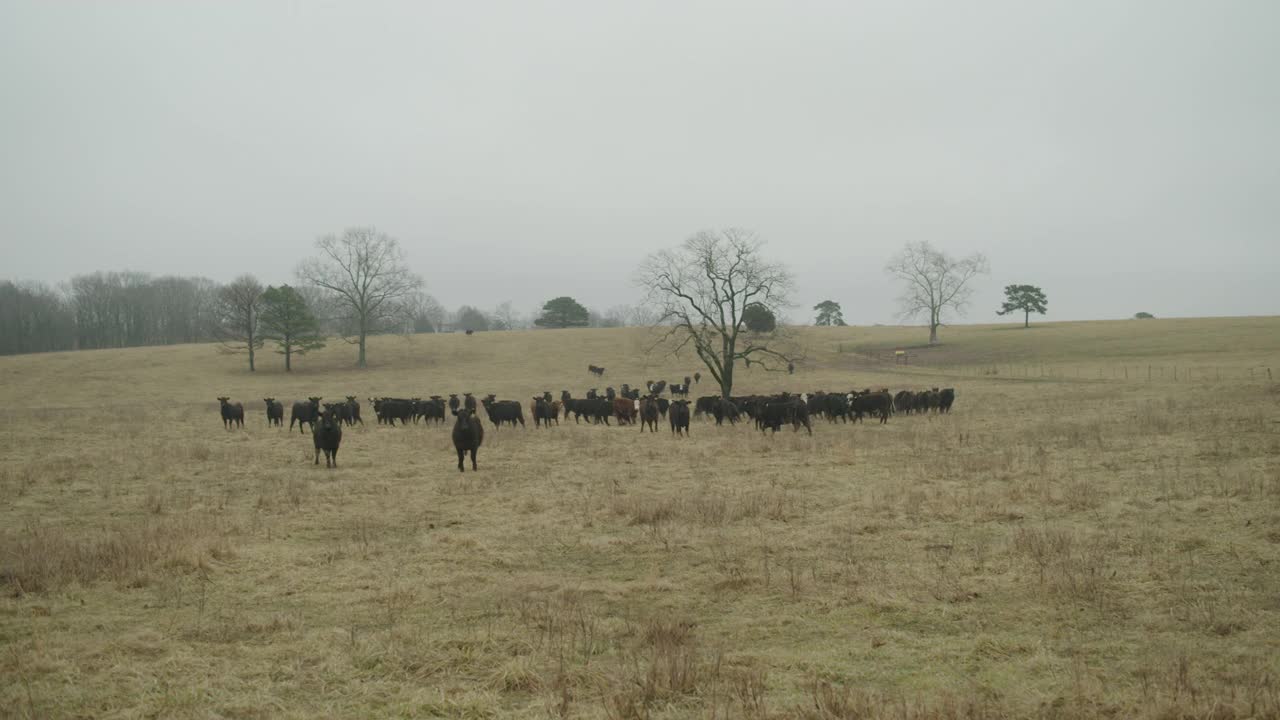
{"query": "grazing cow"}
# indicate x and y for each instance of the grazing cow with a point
(697, 377)
(454, 402)
(725, 410)
(326, 434)
(468, 433)
(946, 397)
(352, 414)
(501, 411)
(232, 413)
(649, 413)
(624, 409)
(275, 412)
(305, 412)
(679, 417)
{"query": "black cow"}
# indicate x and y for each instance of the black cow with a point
(610, 394)
(389, 410)
(878, 404)
(305, 412)
(326, 434)
(725, 410)
(946, 397)
(454, 403)
(663, 404)
(232, 413)
(649, 413)
(706, 405)
(656, 388)
(469, 402)
(597, 371)
(275, 412)
(501, 411)
(468, 433)
(432, 410)
(778, 411)
(697, 377)
(542, 412)
(903, 401)
(678, 415)
(352, 411)
(681, 389)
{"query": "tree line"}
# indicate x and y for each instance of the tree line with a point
(358, 284)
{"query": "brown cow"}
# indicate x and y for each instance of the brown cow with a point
(624, 409)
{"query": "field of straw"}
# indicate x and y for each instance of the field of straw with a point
(1070, 542)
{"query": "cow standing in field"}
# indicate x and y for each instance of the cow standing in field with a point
(454, 403)
(468, 433)
(275, 412)
(352, 411)
(304, 412)
(876, 404)
(678, 414)
(648, 414)
(469, 402)
(501, 411)
(326, 435)
(543, 412)
(946, 398)
(697, 377)
(232, 413)
(725, 410)
(625, 410)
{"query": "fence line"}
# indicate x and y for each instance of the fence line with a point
(1150, 373)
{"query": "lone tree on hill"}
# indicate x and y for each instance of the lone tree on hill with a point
(236, 311)
(1027, 298)
(288, 321)
(828, 313)
(1144, 316)
(366, 272)
(935, 282)
(701, 293)
(563, 312)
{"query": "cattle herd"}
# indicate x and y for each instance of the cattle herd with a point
(625, 405)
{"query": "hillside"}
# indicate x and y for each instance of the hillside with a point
(1067, 543)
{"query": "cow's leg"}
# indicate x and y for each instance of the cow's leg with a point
(461, 454)
(473, 458)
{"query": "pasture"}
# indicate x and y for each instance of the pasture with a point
(1063, 544)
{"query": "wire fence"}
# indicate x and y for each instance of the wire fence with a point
(1146, 372)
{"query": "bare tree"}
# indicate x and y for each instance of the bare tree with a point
(935, 282)
(237, 310)
(366, 271)
(505, 317)
(699, 292)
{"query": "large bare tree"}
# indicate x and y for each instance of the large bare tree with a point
(935, 282)
(700, 291)
(367, 274)
(237, 308)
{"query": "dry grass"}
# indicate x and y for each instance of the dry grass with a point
(1060, 546)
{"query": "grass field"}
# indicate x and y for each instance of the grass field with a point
(1066, 543)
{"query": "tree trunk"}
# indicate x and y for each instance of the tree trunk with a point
(362, 339)
(251, 368)
(1026, 319)
(288, 355)
(933, 331)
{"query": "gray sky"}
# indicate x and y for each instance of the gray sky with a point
(1123, 155)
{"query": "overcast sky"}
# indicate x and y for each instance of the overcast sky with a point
(1123, 155)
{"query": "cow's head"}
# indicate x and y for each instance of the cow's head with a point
(223, 400)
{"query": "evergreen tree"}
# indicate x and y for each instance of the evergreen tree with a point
(563, 312)
(288, 321)
(1027, 298)
(828, 313)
